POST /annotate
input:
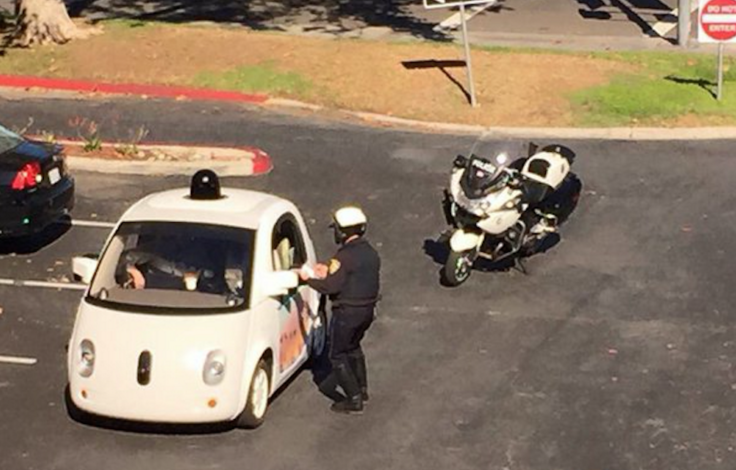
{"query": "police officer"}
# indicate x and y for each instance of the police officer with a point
(351, 279)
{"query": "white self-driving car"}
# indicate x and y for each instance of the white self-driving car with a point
(193, 312)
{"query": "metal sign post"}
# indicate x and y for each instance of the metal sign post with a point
(719, 94)
(431, 4)
(683, 22)
(468, 65)
(717, 24)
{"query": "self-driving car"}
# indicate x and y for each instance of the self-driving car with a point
(194, 312)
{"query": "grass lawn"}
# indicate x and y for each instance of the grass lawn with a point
(667, 88)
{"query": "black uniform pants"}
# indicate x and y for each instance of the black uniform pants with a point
(347, 328)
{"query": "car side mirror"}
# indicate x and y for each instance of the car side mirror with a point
(279, 283)
(84, 267)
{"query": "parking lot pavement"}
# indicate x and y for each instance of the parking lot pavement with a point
(615, 352)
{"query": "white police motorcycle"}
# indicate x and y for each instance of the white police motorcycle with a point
(504, 210)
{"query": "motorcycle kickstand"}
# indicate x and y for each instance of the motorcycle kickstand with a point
(519, 265)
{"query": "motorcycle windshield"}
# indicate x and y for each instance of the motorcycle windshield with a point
(489, 158)
(501, 152)
(482, 178)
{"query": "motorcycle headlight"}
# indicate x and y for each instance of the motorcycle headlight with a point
(214, 368)
(86, 358)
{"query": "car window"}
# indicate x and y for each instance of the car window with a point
(175, 266)
(8, 140)
(288, 247)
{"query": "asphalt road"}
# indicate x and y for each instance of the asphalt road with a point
(616, 352)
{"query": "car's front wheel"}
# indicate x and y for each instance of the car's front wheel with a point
(255, 407)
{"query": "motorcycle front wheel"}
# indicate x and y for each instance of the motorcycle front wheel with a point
(457, 268)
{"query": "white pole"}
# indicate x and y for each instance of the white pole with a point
(720, 70)
(468, 65)
(683, 22)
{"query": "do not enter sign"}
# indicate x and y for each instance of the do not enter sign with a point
(717, 21)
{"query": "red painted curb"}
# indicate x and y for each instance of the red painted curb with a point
(262, 162)
(160, 91)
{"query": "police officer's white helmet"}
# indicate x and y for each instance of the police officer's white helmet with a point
(350, 216)
(349, 221)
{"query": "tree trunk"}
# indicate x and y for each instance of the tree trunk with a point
(44, 21)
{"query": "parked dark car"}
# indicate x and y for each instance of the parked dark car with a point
(36, 189)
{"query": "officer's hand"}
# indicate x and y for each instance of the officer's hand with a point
(304, 275)
(321, 270)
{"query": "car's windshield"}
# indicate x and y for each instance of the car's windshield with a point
(175, 267)
(8, 140)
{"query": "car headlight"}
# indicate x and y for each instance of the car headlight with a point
(86, 358)
(214, 368)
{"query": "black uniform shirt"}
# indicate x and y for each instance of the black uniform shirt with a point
(354, 275)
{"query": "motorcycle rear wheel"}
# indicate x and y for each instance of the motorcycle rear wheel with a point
(458, 267)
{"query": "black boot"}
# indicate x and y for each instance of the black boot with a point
(353, 404)
(357, 363)
(328, 387)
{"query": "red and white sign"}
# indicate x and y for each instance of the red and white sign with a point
(717, 21)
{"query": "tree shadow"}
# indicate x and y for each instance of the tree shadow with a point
(329, 16)
(7, 26)
(35, 242)
(442, 66)
(707, 85)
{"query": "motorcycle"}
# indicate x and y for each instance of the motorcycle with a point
(500, 210)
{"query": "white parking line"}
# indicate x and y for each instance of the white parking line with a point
(92, 223)
(26, 361)
(453, 21)
(664, 27)
(46, 284)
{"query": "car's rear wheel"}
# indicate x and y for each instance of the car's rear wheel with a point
(255, 407)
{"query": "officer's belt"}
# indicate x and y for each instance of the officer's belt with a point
(356, 302)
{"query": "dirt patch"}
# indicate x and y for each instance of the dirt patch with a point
(513, 89)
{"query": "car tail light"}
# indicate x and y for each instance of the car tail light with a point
(27, 177)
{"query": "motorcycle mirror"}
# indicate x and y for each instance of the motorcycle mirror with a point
(532, 148)
(460, 161)
(502, 158)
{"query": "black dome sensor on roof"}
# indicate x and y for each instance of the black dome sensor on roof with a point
(205, 186)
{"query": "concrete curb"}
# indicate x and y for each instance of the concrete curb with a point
(225, 161)
(566, 133)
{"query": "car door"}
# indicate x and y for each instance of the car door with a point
(289, 251)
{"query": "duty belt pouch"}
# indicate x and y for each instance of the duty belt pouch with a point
(322, 307)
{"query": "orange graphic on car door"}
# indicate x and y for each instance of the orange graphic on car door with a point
(294, 331)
